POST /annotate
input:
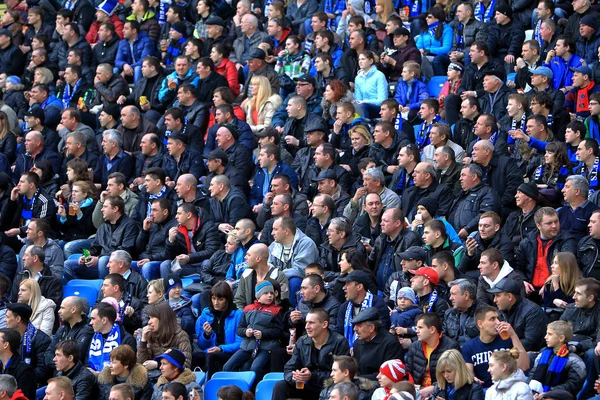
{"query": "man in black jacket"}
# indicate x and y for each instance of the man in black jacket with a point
(152, 155)
(588, 249)
(75, 327)
(339, 238)
(12, 60)
(11, 363)
(105, 51)
(423, 368)
(425, 179)
(181, 160)
(109, 87)
(227, 205)
(124, 291)
(237, 154)
(118, 232)
(67, 360)
(314, 296)
(459, 321)
(374, 344)
(34, 267)
(218, 164)
(520, 223)
(527, 318)
(148, 86)
(150, 242)
(188, 192)
(505, 37)
(190, 252)
(155, 188)
(114, 158)
(34, 342)
(312, 358)
(299, 118)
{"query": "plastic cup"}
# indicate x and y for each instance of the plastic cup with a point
(299, 385)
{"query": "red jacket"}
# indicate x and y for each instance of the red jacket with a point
(18, 395)
(229, 71)
(92, 35)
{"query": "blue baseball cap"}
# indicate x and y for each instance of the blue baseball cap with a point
(584, 69)
(544, 71)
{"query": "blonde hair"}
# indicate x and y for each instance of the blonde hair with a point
(508, 358)
(562, 328)
(414, 67)
(568, 272)
(452, 359)
(362, 131)
(158, 285)
(36, 294)
(47, 76)
(264, 91)
(388, 9)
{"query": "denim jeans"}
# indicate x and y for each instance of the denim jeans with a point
(74, 270)
(242, 361)
(151, 270)
(295, 284)
(76, 247)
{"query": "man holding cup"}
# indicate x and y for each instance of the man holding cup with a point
(303, 378)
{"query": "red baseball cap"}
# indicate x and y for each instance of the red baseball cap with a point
(429, 273)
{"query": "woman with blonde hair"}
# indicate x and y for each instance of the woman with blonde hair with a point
(42, 309)
(384, 9)
(43, 75)
(453, 377)
(559, 288)
(75, 218)
(360, 140)
(263, 104)
(509, 380)
(8, 139)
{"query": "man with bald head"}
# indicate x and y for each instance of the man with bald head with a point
(187, 192)
(34, 150)
(501, 173)
(151, 155)
(133, 128)
(237, 155)
(75, 326)
(109, 86)
(258, 270)
(426, 185)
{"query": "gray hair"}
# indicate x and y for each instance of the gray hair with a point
(78, 137)
(347, 389)
(376, 174)
(581, 183)
(222, 180)
(8, 383)
(342, 225)
(474, 169)
(430, 169)
(37, 251)
(121, 255)
(465, 285)
(252, 20)
(114, 136)
(486, 144)
(448, 151)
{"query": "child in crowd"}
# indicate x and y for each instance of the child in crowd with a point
(555, 366)
(410, 91)
(404, 316)
(390, 372)
(261, 327)
(180, 304)
(455, 71)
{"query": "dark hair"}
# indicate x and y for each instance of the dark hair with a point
(483, 311)
(578, 126)
(4, 284)
(440, 15)
(175, 388)
(480, 45)
(432, 103)
(168, 327)
(223, 290)
(431, 320)
(347, 363)
(106, 310)
(207, 62)
(222, 49)
(544, 99)
(153, 62)
(117, 280)
(445, 257)
(157, 173)
(189, 208)
(226, 94)
(42, 225)
(133, 24)
(326, 34)
(32, 177)
(46, 167)
(592, 286)
(13, 338)
(590, 143)
(118, 202)
(233, 392)
(75, 69)
(569, 42)
(494, 256)
(69, 348)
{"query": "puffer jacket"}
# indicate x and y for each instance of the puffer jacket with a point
(526, 256)
(518, 225)
(62, 51)
(168, 96)
(82, 333)
(472, 31)
(84, 382)
(106, 52)
(329, 304)
(150, 350)
(149, 25)
(585, 323)
(500, 241)
(461, 331)
(514, 387)
(205, 240)
(267, 319)
(187, 378)
(256, 193)
(426, 41)
(185, 315)
(265, 113)
(529, 322)
(571, 378)
(304, 252)
(16, 100)
(216, 268)
(371, 86)
(468, 207)
(302, 357)
(418, 94)
(227, 68)
(138, 379)
(12, 60)
(416, 362)
(142, 47)
(588, 257)
(587, 47)
(244, 295)
(232, 339)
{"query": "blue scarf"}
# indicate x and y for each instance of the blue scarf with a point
(70, 5)
(549, 372)
(592, 176)
(174, 51)
(27, 210)
(27, 345)
(153, 197)
(460, 38)
(593, 129)
(513, 126)
(68, 94)
(349, 333)
(485, 14)
(402, 184)
(423, 135)
(536, 32)
(415, 9)
(432, 28)
(432, 299)
(100, 349)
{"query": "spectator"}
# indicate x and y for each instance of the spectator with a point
(68, 364)
(133, 128)
(12, 59)
(122, 293)
(123, 367)
(75, 222)
(181, 160)
(21, 372)
(374, 182)
(155, 188)
(560, 286)
(173, 370)
(578, 207)
(527, 316)
(462, 382)
(508, 378)
(34, 267)
(344, 369)
(115, 158)
(38, 232)
(116, 186)
(406, 50)
(228, 139)
(227, 205)
(459, 321)
(494, 270)
(340, 238)
(42, 309)
(270, 165)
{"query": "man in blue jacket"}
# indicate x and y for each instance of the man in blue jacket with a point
(270, 164)
(133, 49)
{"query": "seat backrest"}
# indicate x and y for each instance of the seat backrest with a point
(264, 389)
(246, 376)
(434, 87)
(200, 377)
(273, 376)
(213, 385)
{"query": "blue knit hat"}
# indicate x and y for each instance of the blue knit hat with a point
(262, 288)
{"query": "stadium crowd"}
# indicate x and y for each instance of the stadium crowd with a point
(382, 199)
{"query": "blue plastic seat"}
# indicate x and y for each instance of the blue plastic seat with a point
(200, 377)
(511, 77)
(278, 376)
(246, 376)
(95, 283)
(213, 385)
(264, 389)
(434, 87)
(86, 291)
(74, 256)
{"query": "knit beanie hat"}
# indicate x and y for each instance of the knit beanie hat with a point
(263, 287)
(430, 204)
(395, 370)
(170, 282)
(407, 293)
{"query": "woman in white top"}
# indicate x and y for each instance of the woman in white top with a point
(42, 309)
